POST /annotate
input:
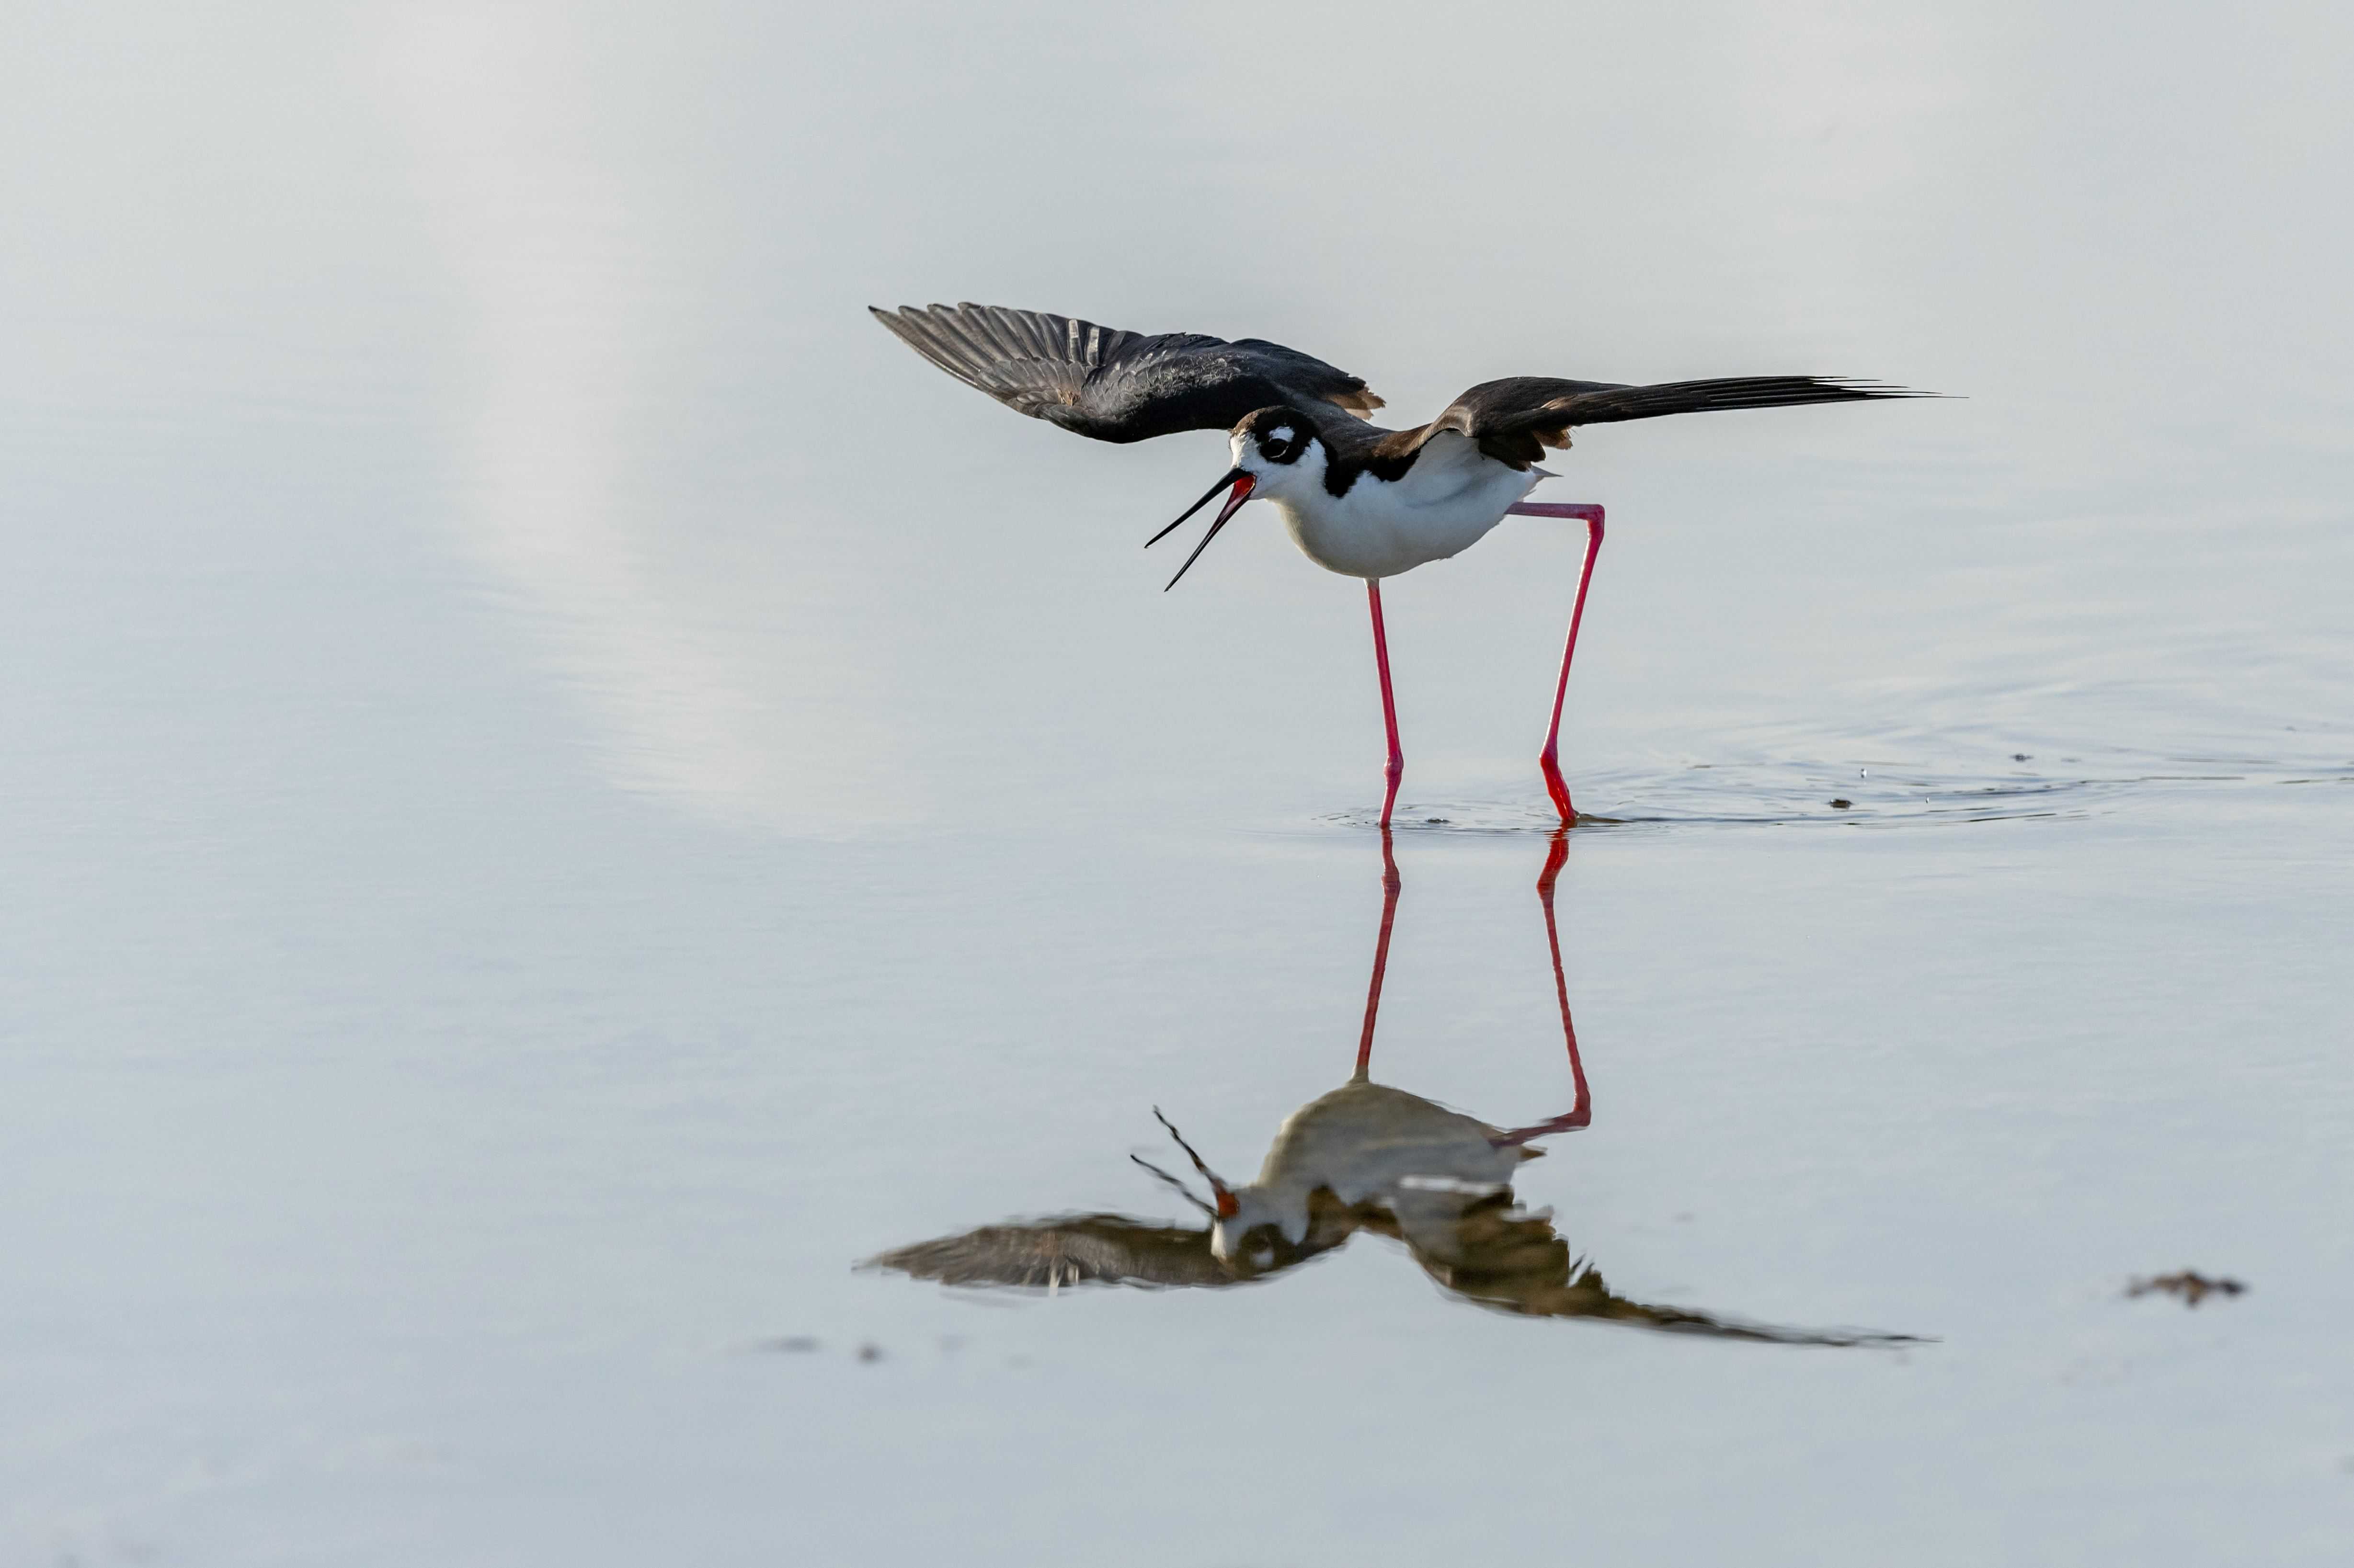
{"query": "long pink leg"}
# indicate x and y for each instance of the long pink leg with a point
(1390, 885)
(1396, 769)
(1550, 759)
(1581, 1114)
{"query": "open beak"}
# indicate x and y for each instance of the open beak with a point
(1244, 485)
(1227, 1205)
(1208, 495)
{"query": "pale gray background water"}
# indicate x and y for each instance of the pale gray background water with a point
(561, 788)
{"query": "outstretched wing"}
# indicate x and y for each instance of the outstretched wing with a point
(1511, 1261)
(1118, 386)
(1074, 1249)
(1516, 419)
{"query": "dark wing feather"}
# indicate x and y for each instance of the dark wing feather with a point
(1516, 419)
(1118, 386)
(1105, 1249)
(1515, 1262)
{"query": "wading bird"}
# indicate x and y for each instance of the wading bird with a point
(1359, 500)
(1366, 1157)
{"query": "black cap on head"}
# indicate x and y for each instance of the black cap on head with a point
(1278, 434)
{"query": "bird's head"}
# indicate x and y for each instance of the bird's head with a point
(1263, 1234)
(1277, 454)
(1279, 450)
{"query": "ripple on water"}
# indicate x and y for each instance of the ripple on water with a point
(1791, 791)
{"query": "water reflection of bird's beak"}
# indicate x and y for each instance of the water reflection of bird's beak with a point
(1227, 1206)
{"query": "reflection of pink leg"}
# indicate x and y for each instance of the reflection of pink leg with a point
(1396, 769)
(1582, 1113)
(1550, 759)
(1390, 885)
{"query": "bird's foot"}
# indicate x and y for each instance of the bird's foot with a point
(1557, 788)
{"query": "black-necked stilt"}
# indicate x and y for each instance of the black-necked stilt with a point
(1365, 1157)
(1359, 500)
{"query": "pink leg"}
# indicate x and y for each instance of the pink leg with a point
(1390, 885)
(1550, 759)
(1581, 1114)
(1396, 769)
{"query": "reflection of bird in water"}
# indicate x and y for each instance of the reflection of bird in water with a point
(1365, 1157)
(1359, 500)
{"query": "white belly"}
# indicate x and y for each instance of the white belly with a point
(1442, 505)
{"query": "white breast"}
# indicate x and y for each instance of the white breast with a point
(1442, 505)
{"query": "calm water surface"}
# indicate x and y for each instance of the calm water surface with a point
(563, 791)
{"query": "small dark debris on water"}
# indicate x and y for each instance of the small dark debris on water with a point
(2190, 1285)
(1435, 821)
(791, 1345)
(2021, 757)
(1842, 805)
(869, 1351)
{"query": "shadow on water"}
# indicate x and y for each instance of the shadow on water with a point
(1366, 1157)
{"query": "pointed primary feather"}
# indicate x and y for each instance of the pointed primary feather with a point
(1515, 419)
(1072, 1249)
(1119, 386)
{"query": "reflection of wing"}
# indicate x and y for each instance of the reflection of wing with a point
(1119, 386)
(1072, 1249)
(1494, 1256)
(1514, 1262)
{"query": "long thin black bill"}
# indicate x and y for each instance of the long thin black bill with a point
(1183, 1191)
(1219, 1190)
(1209, 496)
(1243, 488)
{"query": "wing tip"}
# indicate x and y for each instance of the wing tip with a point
(1866, 387)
